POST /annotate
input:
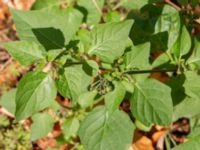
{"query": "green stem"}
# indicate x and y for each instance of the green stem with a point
(149, 71)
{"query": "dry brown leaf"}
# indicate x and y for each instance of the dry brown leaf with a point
(141, 142)
(156, 136)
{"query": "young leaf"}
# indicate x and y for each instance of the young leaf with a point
(192, 84)
(36, 91)
(44, 4)
(8, 101)
(42, 125)
(160, 60)
(100, 131)
(73, 82)
(62, 24)
(151, 103)
(109, 39)
(91, 9)
(26, 52)
(181, 47)
(114, 98)
(112, 16)
(70, 127)
(138, 57)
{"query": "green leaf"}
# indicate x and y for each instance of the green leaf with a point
(192, 144)
(181, 47)
(195, 58)
(42, 125)
(70, 127)
(169, 22)
(134, 4)
(44, 3)
(194, 132)
(109, 40)
(192, 84)
(73, 82)
(86, 99)
(84, 40)
(91, 67)
(152, 103)
(178, 91)
(53, 54)
(91, 10)
(100, 131)
(138, 57)
(61, 23)
(189, 107)
(112, 16)
(26, 52)
(160, 60)
(36, 91)
(8, 101)
(114, 98)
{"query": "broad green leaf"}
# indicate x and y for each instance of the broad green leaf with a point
(91, 10)
(192, 144)
(42, 125)
(189, 107)
(70, 127)
(8, 101)
(129, 86)
(84, 40)
(183, 44)
(109, 39)
(151, 103)
(192, 85)
(114, 98)
(91, 67)
(101, 131)
(160, 60)
(138, 57)
(40, 4)
(26, 52)
(86, 99)
(36, 91)
(169, 21)
(194, 132)
(143, 29)
(177, 89)
(40, 25)
(73, 82)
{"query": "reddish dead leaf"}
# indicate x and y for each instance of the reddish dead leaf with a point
(156, 136)
(141, 142)
(64, 102)
(162, 77)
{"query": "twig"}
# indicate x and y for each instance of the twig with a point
(97, 6)
(6, 64)
(173, 5)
